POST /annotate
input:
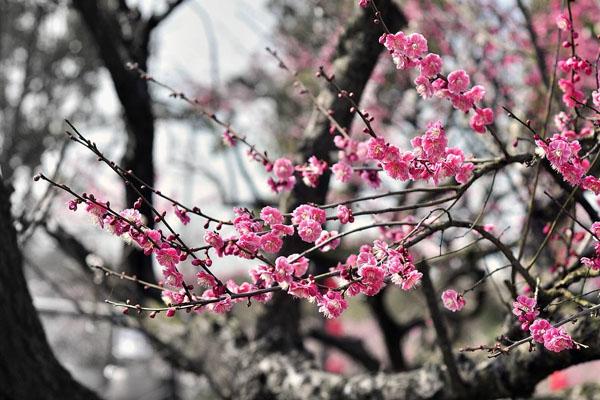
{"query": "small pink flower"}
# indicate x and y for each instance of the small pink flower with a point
(172, 276)
(300, 264)
(271, 215)
(205, 279)
(431, 65)
(591, 183)
(453, 300)
(214, 240)
(309, 230)
(557, 340)
(306, 211)
(182, 215)
(464, 173)
(596, 98)
(97, 210)
(563, 22)
(282, 230)
(415, 45)
(283, 270)
(283, 168)
(222, 306)
(377, 148)
(270, 243)
(458, 81)
(168, 256)
(538, 328)
(332, 304)
(342, 171)
(408, 280)
(525, 309)
(312, 170)
(372, 279)
(363, 3)
(424, 86)
(481, 118)
(344, 214)
(325, 236)
(249, 243)
(304, 289)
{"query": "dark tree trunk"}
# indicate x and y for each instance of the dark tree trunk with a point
(28, 367)
(115, 51)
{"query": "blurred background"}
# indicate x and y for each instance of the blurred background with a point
(67, 60)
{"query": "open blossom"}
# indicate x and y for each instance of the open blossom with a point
(525, 308)
(593, 262)
(431, 65)
(168, 256)
(205, 279)
(458, 81)
(97, 210)
(453, 300)
(596, 98)
(481, 118)
(538, 328)
(300, 264)
(304, 289)
(283, 168)
(372, 279)
(377, 148)
(557, 340)
(309, 230)
(271, 242)
(312, 170)
(222, 306)
(214, 239)
(592, 184)
(563, 155)
(344, 214)
(282, 230)
(571, 94)
(332, 304)
(172, 276)
(342, 171)
(306, 212)
(283, 270)
(331, 244)
(271, 215)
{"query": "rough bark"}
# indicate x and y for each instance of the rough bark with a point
(28, 367)
(248, 369)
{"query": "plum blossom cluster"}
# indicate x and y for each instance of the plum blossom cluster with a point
(410, 52)
(563, 155)
(554, 339)
(573, 67)
(368, 271)
(430, 158)
(283, 170)
(594, 261)
(128, 224)
(525, 309)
